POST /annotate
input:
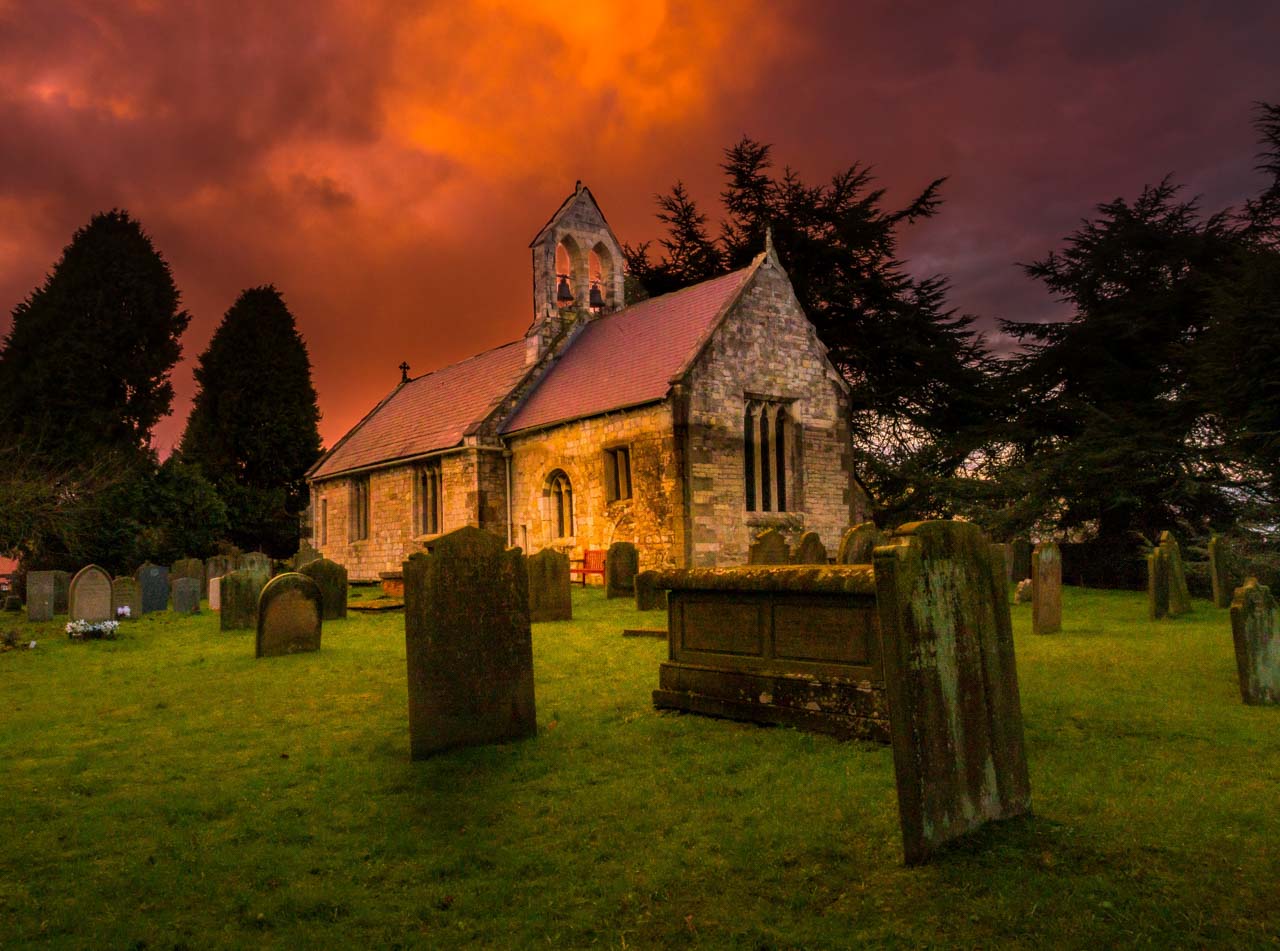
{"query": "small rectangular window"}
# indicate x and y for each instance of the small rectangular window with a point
(359, 529)
(617, 473)
(429, 510)
(322, 529)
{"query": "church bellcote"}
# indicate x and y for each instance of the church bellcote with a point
(577, 271)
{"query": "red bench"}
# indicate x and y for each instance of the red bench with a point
(591, 563)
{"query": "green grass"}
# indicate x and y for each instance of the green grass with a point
(167, 790)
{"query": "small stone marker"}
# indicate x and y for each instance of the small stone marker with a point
(1157, 583)
(1255, 628)
(154, 582)
(186, 596)
(255, 561)
(1021, 550)
(810, 551)
(857, 544)
(620, 566)
(1046, 589)
(290, 610)
(215, 593)
(240, 590)
(649, 597)
(126, 593)
(331, 578)
(188, 568)
(549, 598)
(1218, 575)
(769, 548)
(90, 595)
(1179, 593)
(955, 712)
(40, 595)
(468, 643)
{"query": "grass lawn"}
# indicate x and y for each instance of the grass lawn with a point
(167, 790)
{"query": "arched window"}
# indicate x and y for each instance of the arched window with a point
(766, 449)
(430, 501)
(559, 495)
(564, 277)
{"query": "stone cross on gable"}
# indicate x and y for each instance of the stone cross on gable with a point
(404, 372)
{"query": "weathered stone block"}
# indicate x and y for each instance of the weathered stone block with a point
(857, 544)
(769, 548)
(1255, 629)
(90, 595)
(331, 578)
(649, 597)
(1218, 574)
(469, 645)
(154, 582)
(620, 566)
(126, 593)
(290, 610)
(186, 595)
(952, 682)
(240, 590)
(810, 551)
(549, 597)
(1046, 589)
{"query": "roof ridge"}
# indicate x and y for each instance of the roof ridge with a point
(458, 363)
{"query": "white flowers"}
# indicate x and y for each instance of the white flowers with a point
(31, 646)
(88, 630)
(122, 611)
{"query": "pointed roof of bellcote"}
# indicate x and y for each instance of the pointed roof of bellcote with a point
(580, 194)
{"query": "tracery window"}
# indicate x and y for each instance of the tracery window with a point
(359, 517)
(429, 499)
(559, 493)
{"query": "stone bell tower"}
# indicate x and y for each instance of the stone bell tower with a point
(577, 271)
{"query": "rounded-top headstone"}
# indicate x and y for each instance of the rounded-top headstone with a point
(331, 577)
(857, 544)
(290, 612)
(810, 551)
(90, 595)
(621, 563)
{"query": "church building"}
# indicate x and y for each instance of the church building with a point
(686, 423)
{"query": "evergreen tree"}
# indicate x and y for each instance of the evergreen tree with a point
(253, 424)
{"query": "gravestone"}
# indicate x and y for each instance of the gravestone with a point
(549, 598)
(255, 561)
(154, 582)
(1179, 594)
(188, 568)
(126, 593)
(769, 548)
(239, 596)
(1255, 628)
(331, 578)
(89, 598)
(810, 551)
(290, 614)
(215, 593)
(1007, 554)
(620, 566)
(1157, 583)
(12, 604)
(305, 556)
(469, 646)
(1021, 550)
(1218, 576)
(40, 595)
(186, 595)
(857, 544)
(217, 566)
(1046, 589)
(955, 712)
(61, 592)
(649, 597)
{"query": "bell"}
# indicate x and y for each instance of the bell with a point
(564, 296)
(596, 298)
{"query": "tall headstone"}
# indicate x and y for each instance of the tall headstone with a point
(620, 566)
(857, 544)
(1007, 554)
(61, 592)
(468, 643)
(240, 590)
(154, 582)
(1021, 550)
(331, 578)
(769, 548)
(549, 598)
(215, 593)
(1157, 583)
(952, 683)
(125, 593)
(290, 610)
(810, 551)
(1255, 628)
(1179, 593)
(40, 595)
(188, 568)
(1046, 589)
(186, 595)
(1218, 574)
(649, 597)
(90, 595)
(255, 561)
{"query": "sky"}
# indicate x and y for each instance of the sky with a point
(385, 163)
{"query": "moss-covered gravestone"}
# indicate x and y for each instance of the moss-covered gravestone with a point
(186, 595)
(188, 568)
(254, 561)
(1218, 574)
(857, 544)
(40, 595)
(240, 590)
(1021, 551)
(1006, 553)
(549, 598)
(649, 597)
(290, 610)
(1046, 589)
(217, 566)
(153, 580)
(1179, 593)
(305, 556)
(621, 563)
(469, 646)
(90, 595)
(1157, 583)
(1255, 628)
(952, 683)
(769, 548)
(331, 578)
(125, 593)
(810, 551)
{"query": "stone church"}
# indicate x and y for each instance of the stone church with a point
(686, 423)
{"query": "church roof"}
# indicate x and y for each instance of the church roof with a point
(629, 357)
(430, 412)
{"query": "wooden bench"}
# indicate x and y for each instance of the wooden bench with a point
(591, 563)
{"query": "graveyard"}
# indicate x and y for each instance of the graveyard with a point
(167, 788)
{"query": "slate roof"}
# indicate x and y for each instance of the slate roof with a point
(628, 357)
(430, 412)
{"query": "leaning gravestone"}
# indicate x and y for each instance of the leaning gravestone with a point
(40, 595)
(1157, 583)
(154, 582)
(621, 563)
(1021, 550)
(1218, 575)
(468, 643)
(240, 590)
(952, 683)
(186, 596)
(810, 551)
(188, 568)
(1179, 593)
(90, 595)
(125, 593)
(1046, 589)
(331, 578)
(857, 544)
(290, 613)
(549, 598)
(215, 593)
(769, 548)
(255, 561)
(1255, 628)
(649, 597)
